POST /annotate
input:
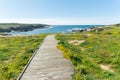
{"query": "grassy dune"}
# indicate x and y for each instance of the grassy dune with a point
(15, 53)
(95, 55)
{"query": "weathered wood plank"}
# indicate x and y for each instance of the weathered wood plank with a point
(48, 63)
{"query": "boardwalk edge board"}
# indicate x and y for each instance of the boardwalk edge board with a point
(21, 74)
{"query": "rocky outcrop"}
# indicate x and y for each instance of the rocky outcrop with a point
(23, 27)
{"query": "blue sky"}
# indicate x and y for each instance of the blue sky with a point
(60, 11)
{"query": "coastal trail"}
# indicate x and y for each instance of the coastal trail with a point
(48, 63)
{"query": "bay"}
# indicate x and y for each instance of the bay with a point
(54, 29)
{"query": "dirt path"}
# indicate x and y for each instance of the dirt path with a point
(48, 63)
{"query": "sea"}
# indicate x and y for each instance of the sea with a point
(54, 29)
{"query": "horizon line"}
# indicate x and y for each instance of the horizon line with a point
(58, 21)
(49, 24)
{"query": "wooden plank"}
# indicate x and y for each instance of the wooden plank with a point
(48, 63)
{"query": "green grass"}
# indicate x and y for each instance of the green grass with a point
(8, 25)
(15, 53)
(99, 48)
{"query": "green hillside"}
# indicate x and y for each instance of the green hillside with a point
(15, 53)
(95, 55)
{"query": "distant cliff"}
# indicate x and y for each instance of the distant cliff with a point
(20, 27)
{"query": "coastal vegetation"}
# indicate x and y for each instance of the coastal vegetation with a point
(9, 27)
(15, 51)
(94, 54)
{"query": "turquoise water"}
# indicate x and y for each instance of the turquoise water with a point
(53, 29)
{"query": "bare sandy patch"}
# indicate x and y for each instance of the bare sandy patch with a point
(106, 67)
(76, 42)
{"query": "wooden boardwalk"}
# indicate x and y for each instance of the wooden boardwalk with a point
(48, 63)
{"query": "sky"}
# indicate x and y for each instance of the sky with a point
(60, 11)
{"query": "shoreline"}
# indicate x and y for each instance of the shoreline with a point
(6, 28)
(50, 29)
